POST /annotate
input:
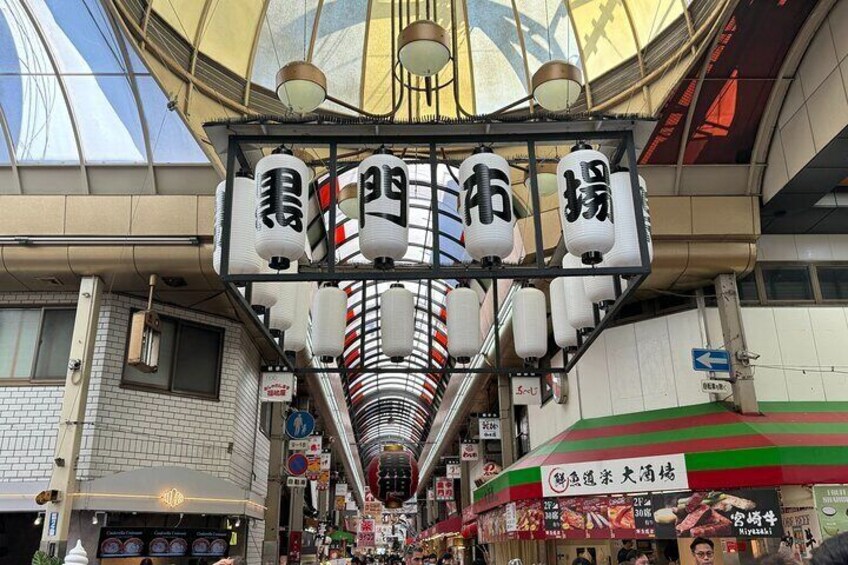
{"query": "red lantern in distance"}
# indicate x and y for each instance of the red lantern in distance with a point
(393, 476)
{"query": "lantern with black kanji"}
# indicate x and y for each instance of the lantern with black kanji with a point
(243, 257)
(383, 208)
(486, 207)
(585, 201)
(625, 252)
(393, 476)
(282, 192)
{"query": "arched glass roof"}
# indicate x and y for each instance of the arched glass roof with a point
(73, 93)
(398, 407)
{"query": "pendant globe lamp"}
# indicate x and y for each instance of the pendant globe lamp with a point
(424, 48)
(557, 85)
(565, 335)
(329, 317)
(578, 307)
(486, 198)
(546, 178)
(463, 323)
(586, 204)
(530, 324)
(625, 252)
(383, 208)
(243, 257)
(397, 323)
(282, 193)
(349, 200)
(301, 87)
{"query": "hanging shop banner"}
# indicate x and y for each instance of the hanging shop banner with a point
(526, 391)
(324, 479)
(637, 474)
(160, 542)
(431, 494)
(316, 444)
(831, 502)
(453, 471)
(444, 489)
(469, 451)
(490, 428)
(341, 489)
(643, 514)
(277, 387)
(326, 459)
(553, 518)
(622, 518)
(313, 468)
(366, 537)
(339, 504)
(510, 517)
(743, 513)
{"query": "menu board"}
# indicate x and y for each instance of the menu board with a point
(553, 517)
(596, 514)
(643, 514)
(744, 513)
(529, 518)
(621, 517)
(831, 503)
(161, 542)
(573, 520)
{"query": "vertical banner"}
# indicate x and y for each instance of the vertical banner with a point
(444, 489)
(453, 471)
(644, 516)
(553, 518)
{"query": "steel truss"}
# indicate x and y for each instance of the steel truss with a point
(244, 140)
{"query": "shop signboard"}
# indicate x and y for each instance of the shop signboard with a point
(596, 516)
(326, 459)
(469, 451)
(553, 517)
(339, 503)
(831, 503)
(622, 518)
(277, 387)
(316, 444)
(324, 479)
(366, 537)
(295, 544)
(431, 494)
(510, 517)
(444, 489)
(298, 444)
(490, 428)
(636, 474)
(162, 542)
(526, 391)
(453, 471)
(643, 514)
(741, 513)
(313, 468)
(341, 489)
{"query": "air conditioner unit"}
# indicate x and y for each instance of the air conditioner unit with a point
(145, 335)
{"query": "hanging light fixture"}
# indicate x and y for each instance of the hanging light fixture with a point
(282, 194)
(301, 86)
(424, 48)
(529, 324)
(578, 307)
(294, 338)
(546, 178)
(329, 315)
(397, 322)
(625, 252)
(383, 208)
(243, 257)
(349, 200)
(462, 307)
(565, 335)
(585, 202)
(486, 197)
(557, 85)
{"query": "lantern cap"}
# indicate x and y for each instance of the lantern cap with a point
(591, 258)
(279, 263)
(482, 149)
(580, 145)
(396, 285)
(282, 150)
(490, 262)
(244, 174)
(384, 263)
(383, 150)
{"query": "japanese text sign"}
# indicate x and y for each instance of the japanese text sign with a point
(469, 451)
(277, 387)
(526, 391)
(490, 428)
(662, 472)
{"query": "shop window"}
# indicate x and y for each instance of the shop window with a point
(189, 361)
(747, 287)
(522, 425)
(833, 282)
(35, 343)
(787, 283)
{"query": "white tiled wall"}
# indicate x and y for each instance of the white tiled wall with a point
(647, 365)
(815, 109)
(804, 248)
(127, 429)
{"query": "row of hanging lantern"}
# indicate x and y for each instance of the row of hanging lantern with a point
(596, 211)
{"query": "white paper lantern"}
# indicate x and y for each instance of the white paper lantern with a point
(486, 196)
(329, 317)
(625, 252)
(383, 209)
(294, 338)
(264, 293)
(565, 335)
(397, 322)
(282, 192)
(243, 257)
(600, 289)
(578, 307)
(285, 307)
(529, 323)
(463, 320)
(585, 203)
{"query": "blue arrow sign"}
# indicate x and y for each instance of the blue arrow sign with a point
(300, 424)
(714, 360)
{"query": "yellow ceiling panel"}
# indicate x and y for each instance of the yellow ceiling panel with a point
(651, 17)
(182, 15)
(376, 76)
(228, 31)
(603, 33)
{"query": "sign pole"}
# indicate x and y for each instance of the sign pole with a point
(271, 543)
(742, 375)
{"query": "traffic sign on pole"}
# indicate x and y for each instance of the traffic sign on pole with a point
(711, 360)
(297, 464)
(300, 424)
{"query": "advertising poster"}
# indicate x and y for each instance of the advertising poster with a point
(644, 515)
(621, 517)
(340, 503)
(573, 521)
(313, 467)
(122, 542)
(743, 513)
(529, 519)
(553, 518)
(510, 517)
(596, 513)
(831, 502)
(161, 542)
(469, 451)
(803, 527)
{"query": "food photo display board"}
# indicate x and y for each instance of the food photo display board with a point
(162, 542)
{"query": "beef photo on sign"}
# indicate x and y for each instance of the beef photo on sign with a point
(739, 513)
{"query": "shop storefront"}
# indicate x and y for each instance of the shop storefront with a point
(662, 478)
(442, 536)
